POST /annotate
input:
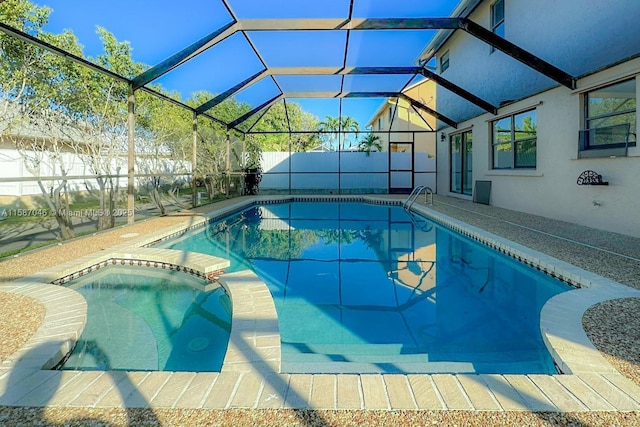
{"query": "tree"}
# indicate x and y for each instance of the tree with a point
(335, 128)
(78, 110)
(34, 93)
(212, 141)
(68, 108)
(211, 155)
(371, 142)
(212, 148)
(98, 110)
(61, 108)
(279, 120)
(163, 144)
(349, 124)
(304, 121)
(526, 136)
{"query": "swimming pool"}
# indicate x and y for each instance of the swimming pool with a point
(150, 319)
(372, 288)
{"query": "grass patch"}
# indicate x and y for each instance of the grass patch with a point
(30, 248)
(10, 253)
(22, 216)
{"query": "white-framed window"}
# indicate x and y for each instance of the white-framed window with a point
(390, 115)
(514, 141)
(380, 124)
(497, 19)
(610, 120)
(444, 62)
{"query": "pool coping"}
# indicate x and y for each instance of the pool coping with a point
(250, 376)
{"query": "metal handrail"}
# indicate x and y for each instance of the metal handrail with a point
(427, 191)
(414, 195)
(426, 225)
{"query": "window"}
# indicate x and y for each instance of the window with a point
(380, 123)
(497, 19)
(609, 120)
(514, 141)
(461, 158)
(444, 62)
(390, 115)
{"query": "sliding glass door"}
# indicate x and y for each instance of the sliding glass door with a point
(460, 153)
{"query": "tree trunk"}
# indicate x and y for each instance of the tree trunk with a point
(60, 210)
(155, 196)
(105, 217)
(66, 227)
(111, 194)
(209, 183)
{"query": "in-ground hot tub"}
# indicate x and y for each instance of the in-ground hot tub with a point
(150, 319)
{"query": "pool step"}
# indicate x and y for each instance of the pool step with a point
(346, 352)
(389, 358)
(408, 367)
(337, 349)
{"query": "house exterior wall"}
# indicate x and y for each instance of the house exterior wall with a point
(406, 119)
(550, 190)
(577, 36)
(395, 125)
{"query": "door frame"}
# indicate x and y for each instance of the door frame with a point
(463, 160)
(402, 190)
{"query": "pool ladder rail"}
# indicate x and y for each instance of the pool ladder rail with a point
(420, 223)
(415, 193)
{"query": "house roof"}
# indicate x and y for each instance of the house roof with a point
(386, 102)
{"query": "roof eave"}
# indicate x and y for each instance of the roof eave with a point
(462, 10)
(384, 103)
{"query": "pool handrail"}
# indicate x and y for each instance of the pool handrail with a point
(414, 195)
(419, 223)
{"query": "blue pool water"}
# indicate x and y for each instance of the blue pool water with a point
(371, 288)
(151, 320)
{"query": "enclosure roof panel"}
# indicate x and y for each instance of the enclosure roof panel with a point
(260, 53)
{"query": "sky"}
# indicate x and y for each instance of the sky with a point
(156, 30)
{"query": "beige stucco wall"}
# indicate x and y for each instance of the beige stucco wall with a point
(550, 190)
(406, 119)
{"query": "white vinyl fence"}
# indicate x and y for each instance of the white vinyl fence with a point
(313, 172)
(344, 172)
(16, 180)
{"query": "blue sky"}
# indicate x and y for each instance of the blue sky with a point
(158, 29)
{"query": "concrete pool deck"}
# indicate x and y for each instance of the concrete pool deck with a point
(250, 376)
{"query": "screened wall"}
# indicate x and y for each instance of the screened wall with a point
(199, 96)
